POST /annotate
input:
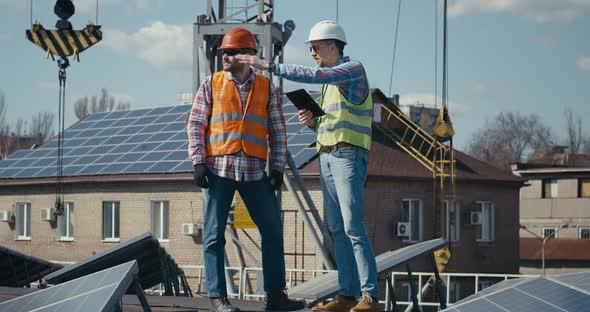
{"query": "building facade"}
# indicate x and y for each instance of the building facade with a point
(554, 203)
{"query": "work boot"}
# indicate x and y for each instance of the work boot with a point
(338, 304)
(222, 304)
(277, 300)
(366, 304)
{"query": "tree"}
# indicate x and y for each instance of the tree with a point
(574, 131)
(586, 145)
(3, 124)
(509, 138)
(102, 103)
(42, 126)
(4, 129)
(81, 108)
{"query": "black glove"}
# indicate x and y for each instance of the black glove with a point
(201, 175)
(276, 180)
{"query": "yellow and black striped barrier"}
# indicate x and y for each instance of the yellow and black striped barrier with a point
(64, 42)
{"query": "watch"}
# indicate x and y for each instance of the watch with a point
(271, 67)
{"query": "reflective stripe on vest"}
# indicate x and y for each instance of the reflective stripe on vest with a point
(230, 130)
(344, 121)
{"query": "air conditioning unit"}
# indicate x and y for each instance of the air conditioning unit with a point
(48, 214)
(402, 229)
(191, 229)
(5, 215)
(474, 217)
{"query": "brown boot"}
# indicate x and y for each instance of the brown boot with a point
(338, 304)
(367, 304)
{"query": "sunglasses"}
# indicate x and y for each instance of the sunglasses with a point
(314, 48)
(233, 52)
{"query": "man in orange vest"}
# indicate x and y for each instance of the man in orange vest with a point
(236, 117)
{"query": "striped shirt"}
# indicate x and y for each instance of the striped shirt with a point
(238, 166)
(349, 76)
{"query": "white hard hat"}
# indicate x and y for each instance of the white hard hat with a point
(326, 30)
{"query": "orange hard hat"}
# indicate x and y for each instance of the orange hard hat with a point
(239, 38)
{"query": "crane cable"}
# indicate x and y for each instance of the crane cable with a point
(399, 7)
(64, 41)
(63, 63)
(435, 54)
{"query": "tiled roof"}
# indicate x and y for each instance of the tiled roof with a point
(387, 160)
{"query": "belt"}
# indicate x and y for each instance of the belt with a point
(337, 146)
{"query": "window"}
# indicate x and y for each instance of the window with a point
(23, 220)
(412, 213)
(584, 187)
(584, 233)
(549, 232)
(485, 231)
(454, 291)
(453, 220)
(159, 219)
(549, 188)
(110, 221)
(65, 222)
(483, 284)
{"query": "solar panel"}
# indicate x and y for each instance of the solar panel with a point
(155, 264)
(580, 280)
(548, 293)
(19, 270)
(327, 285)
(109, 143)
(100, 291)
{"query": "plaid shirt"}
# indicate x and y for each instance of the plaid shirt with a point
(349, 76)
(238, 166)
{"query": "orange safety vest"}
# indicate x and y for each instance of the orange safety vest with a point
(230, 129)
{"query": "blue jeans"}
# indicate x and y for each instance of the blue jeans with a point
(342, 175)
(264, 209)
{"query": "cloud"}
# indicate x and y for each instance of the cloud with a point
(428, 101)
(165, 46)
(540, 11)
(583, 63)
(87, 6)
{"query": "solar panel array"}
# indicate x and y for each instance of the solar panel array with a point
(569, 292)
(133, 142)
(18, 270)
(100, 291)
(155, 265)
(300, 138)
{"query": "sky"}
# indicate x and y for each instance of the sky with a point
(526, 56)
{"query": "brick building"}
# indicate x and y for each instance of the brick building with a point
(111, 206)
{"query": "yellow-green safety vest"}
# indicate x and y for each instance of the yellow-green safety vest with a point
(344, 121)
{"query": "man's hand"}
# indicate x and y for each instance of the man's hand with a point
(306, 117)
(276, 180)
(200, 176)
(252, 60)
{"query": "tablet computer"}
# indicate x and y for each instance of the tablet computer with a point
(302, 100)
